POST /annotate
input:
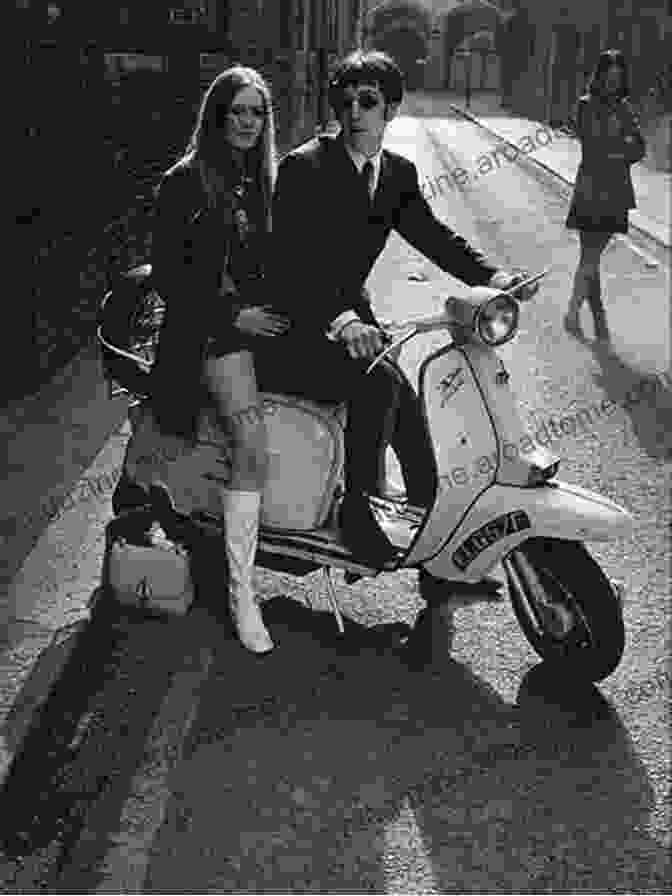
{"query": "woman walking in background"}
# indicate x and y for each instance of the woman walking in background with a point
(209, 249)
(603, 193)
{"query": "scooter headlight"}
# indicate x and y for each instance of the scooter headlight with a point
(497, 320)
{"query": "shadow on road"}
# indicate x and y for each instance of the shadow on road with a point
(329, 767)
(647, 399)
(89, 737)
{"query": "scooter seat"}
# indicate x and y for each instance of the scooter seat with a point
(335, 409)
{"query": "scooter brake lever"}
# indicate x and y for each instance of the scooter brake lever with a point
(525, 283)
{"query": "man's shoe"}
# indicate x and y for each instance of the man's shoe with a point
(361, 533)
(393, 492)
(399, 496)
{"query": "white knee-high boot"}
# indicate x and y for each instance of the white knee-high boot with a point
(241, 522)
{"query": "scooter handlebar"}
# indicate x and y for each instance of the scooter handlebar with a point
(445, 318)
(394, 333)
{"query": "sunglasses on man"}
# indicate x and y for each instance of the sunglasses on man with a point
(365, 100)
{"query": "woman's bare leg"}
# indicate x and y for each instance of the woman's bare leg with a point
(587, 275)
(233, 385)
(593, 245)
(232, 382)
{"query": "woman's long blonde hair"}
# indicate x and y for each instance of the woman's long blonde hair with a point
(205, 144)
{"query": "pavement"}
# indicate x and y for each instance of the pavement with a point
(560, 157)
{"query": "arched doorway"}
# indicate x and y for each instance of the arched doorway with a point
(468, 19)
(401, 28)
(409, 51)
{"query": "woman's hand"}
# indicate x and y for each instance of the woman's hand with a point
(261, 320)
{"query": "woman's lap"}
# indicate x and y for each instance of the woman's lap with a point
(230, 341)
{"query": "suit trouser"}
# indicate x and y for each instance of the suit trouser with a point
(382, 409)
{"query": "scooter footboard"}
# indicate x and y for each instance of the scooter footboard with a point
(556, 510)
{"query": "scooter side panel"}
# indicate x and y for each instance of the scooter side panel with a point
(306, 462)
(464, 444)
(505, 516)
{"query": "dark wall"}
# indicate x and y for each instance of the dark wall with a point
(406, 47)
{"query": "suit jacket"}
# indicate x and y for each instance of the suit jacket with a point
(327, 235)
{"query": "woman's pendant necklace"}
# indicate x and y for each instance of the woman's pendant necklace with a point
(240, 215)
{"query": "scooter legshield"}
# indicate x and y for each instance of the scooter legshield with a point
(464, 441)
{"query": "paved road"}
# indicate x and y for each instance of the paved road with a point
(330, 767)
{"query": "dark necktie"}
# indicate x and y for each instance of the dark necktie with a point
(366, 175)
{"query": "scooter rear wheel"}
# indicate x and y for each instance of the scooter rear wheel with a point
(567, 607)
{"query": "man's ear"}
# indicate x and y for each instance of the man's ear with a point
(391, 110)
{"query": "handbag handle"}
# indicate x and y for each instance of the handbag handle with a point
(159, 508)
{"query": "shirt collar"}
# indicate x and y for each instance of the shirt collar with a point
(359, 159)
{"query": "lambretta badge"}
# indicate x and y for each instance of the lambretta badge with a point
(487, 535)
(449, 385)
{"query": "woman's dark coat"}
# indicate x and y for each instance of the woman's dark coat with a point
(190, 245)
(603, 185)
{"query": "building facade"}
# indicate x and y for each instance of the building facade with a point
(557, 45)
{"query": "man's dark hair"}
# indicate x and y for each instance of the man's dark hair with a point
(367, 67)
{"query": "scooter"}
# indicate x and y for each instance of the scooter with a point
(497, 499)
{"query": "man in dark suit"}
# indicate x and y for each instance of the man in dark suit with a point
(336, 201)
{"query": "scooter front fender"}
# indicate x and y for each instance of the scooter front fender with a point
(504, 516)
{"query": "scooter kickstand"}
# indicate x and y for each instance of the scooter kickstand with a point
(331, 594)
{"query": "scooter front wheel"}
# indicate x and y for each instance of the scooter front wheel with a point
(566, 606)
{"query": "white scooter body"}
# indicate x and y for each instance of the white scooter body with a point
(485, 504)
(495, 488)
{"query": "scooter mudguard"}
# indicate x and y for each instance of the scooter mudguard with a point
(505, 516)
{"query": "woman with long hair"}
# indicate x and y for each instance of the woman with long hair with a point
(209, 246)
(611, 142)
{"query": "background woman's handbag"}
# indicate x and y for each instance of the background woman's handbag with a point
(147, 562)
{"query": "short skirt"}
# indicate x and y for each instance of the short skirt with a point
(614, 223)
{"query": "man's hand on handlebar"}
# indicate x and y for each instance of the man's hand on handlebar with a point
(363, 341)
(505, 281)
